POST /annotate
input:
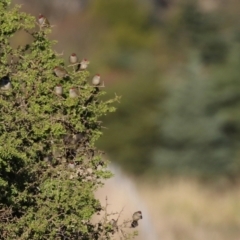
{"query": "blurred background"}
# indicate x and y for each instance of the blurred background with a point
(176, 133)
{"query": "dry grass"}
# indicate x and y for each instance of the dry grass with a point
(177, 209)
(183, 210)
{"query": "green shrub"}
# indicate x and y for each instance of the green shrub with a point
(49, 166)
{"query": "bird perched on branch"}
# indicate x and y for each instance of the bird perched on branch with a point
(136, 217)
(96, 80)
(59, 90)
(73, 139)
(73, 92)
(83, 65)
(114, 225)
(73, 58)
(5, 83)
(60, 72)
(43, 21)
(71, 165)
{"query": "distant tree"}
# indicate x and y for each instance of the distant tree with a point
(189, 139)
(199, 128)
(162, 3)
(191, 27)
(124, 28)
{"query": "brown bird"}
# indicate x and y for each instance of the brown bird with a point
(71, 165)
(59, 90)
(42, 21)
(73, 139)
(73, 58)
(135, 217)
(83, 64)
(60, 72)
(114, 225)
(96, 80)
(76, 138)
(73, 92)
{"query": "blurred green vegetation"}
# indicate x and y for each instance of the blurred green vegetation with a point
(129, 43)
(177, 70)
(131, 135)
(123, 31)
(180, 115)
(199, 130)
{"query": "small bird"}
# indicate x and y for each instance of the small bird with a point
(5, 83)
(96, 80)
(48, 158)
(43, 21)
(73, 139)
(83, 64)
(60, 72)
(114, 225)
(59, 90)
(73, 58)
(67, 139)
(89, 171)
(71, 165)
(76, 138)
(136, 216)
(73, 92)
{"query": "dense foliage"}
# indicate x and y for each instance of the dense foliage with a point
(49, 166)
